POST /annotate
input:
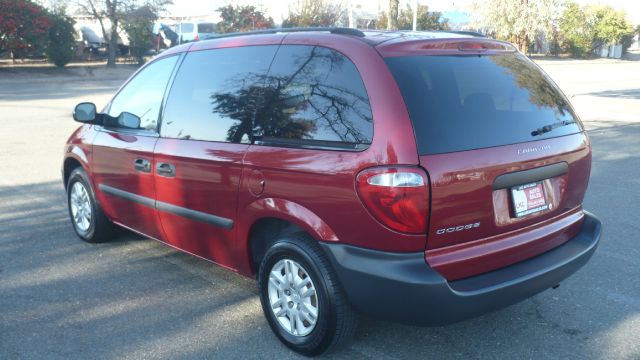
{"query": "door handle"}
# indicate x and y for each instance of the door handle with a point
(166, 170)
(142, 165)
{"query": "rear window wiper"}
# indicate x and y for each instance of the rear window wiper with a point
(545, 129)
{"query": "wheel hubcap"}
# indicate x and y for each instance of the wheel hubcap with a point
(293, 297)
(80, 206)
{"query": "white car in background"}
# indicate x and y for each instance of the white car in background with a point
(193, 31)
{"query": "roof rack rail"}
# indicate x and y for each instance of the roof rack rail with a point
(333, 30)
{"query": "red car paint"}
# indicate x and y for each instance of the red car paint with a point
(463, 181)
(316, 189)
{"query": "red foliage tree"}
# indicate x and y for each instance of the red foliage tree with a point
(23, 25)
(242, 18)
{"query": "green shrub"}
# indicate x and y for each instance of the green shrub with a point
(138, 25)
(60, 39)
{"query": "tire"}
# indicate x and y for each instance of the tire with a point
(91, 225)
(335, 320)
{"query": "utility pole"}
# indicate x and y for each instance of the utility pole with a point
(393, 15)
(351, 20)
(415, 14)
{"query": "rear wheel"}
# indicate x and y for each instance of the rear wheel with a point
(89, 222)
(301, 297)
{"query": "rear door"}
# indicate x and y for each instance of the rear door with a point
(490, 130)
(123, 158)
(205, 133)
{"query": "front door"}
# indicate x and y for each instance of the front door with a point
(123, 158)
(205, 132)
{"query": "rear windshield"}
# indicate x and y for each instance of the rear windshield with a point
(459, 103)
(206, 28)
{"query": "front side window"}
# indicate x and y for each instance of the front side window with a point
(216, 94)
(314, 96)
(142, 96)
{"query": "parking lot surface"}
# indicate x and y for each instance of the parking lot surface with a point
(134, 298)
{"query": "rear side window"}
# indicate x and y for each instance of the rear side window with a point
(206, 28)
(314, 97)
(186, 27)
(215, 94)
(459, 103)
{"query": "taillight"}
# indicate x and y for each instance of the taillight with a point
(396, 196)
(196, 38)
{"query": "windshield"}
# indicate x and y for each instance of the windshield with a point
(459, 103)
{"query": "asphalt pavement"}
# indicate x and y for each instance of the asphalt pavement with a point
(134, 298)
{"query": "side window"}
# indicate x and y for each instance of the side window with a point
(216, 93)
(142, 96)
(314, 96)
(187, 28)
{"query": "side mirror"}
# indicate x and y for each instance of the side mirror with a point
(128, 120)
(85, 112)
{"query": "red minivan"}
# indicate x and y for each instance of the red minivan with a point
(423, 177)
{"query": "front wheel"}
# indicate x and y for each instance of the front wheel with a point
(301, 297)
(89, 222)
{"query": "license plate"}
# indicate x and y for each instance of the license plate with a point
(528, 199)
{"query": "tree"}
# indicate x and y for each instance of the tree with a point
(242, 18)
(105, 10)
(23, 26)
(60, 38)
(585, 29)
(628, 39)
(392, 23)
(309, 13)
(577, 31)
(610, 25)
(425, 21)
(517, 21)
(138, 25)
(382, 23)
(114, 11)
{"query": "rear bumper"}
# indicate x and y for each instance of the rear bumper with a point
(403, 287)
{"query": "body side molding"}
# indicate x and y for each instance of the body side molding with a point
(169, 208)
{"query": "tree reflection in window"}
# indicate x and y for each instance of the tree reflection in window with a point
(310, 93)
(235, 76)
(533, 81)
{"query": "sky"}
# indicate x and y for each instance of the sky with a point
(278, 9)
